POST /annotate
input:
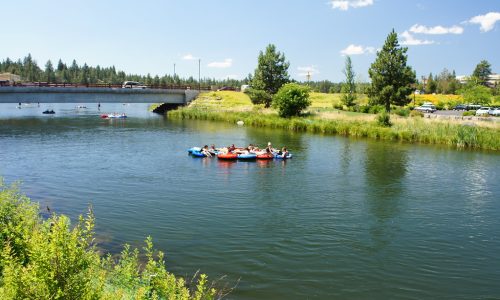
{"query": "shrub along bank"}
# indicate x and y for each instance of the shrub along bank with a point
(51, 259)
(413, 129)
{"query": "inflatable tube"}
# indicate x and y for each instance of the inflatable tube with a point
(113, 116)
(281, 156)
(265, 156)
(248, 156)
(198, 154)
(192, 149)
(227, 156)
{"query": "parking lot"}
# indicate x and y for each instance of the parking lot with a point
(457, 115)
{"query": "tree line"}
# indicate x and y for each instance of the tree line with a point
(30, 71)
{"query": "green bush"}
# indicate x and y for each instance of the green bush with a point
(259, 97)
(291, 99)
(469, 113)
(384, 119)
(403, 112)
(338, 106)
(440, 105)
(17, 216)
(375, 109)
(364, 109)
(51, 259)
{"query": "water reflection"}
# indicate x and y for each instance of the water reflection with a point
(225, 164)
(385, 169)
(345, 157)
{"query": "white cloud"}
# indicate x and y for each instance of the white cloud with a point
(228, 62)
(436, 29)
(189, 56)
(486, 21)
(357, 50)
(345, 4)
(304, 71)
(410, 40)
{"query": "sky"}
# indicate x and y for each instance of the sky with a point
(226, 36)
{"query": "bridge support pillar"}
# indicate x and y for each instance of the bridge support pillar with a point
(162, 109)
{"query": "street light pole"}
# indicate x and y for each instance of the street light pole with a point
(199, 74)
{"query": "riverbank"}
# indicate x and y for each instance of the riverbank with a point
(232, 107)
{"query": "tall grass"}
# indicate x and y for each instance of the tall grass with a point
(413, 130)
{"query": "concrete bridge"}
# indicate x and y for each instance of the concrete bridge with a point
(172, 97)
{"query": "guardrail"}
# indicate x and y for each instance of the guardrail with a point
(101, 85)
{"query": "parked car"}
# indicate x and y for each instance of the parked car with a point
(483, 111)
(460, 107)
(133, 85)
(473, 107)
(426, 108)
(495, 111)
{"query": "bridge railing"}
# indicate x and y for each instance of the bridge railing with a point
(102, 85)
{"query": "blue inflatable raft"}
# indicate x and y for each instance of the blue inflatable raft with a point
(279, 156)
(198, 154)
(249, 156)
(190, 150)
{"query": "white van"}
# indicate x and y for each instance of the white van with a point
(133, 85)
(244, 87)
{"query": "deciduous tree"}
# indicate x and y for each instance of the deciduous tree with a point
(475, 93)
(349, 86)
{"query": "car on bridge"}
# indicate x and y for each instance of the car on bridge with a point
(133, 85)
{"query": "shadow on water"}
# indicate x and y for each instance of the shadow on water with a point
(385, 170)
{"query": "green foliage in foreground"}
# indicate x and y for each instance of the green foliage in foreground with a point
(50, 259)
(414, 130)
(291, 99)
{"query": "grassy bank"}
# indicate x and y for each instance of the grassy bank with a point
(412, 130)
(53, 259)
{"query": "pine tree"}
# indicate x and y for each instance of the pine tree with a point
(391, 77)
(431, 85)
(271, 73)
(482, 71)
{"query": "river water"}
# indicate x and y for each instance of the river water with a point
(344, 219)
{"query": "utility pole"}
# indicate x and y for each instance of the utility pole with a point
(174, 71)
(308, 76)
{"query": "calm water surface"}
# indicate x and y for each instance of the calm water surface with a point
(344, 219)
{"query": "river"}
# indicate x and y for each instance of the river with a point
(344, 219)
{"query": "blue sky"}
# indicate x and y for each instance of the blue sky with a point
(226, 35)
